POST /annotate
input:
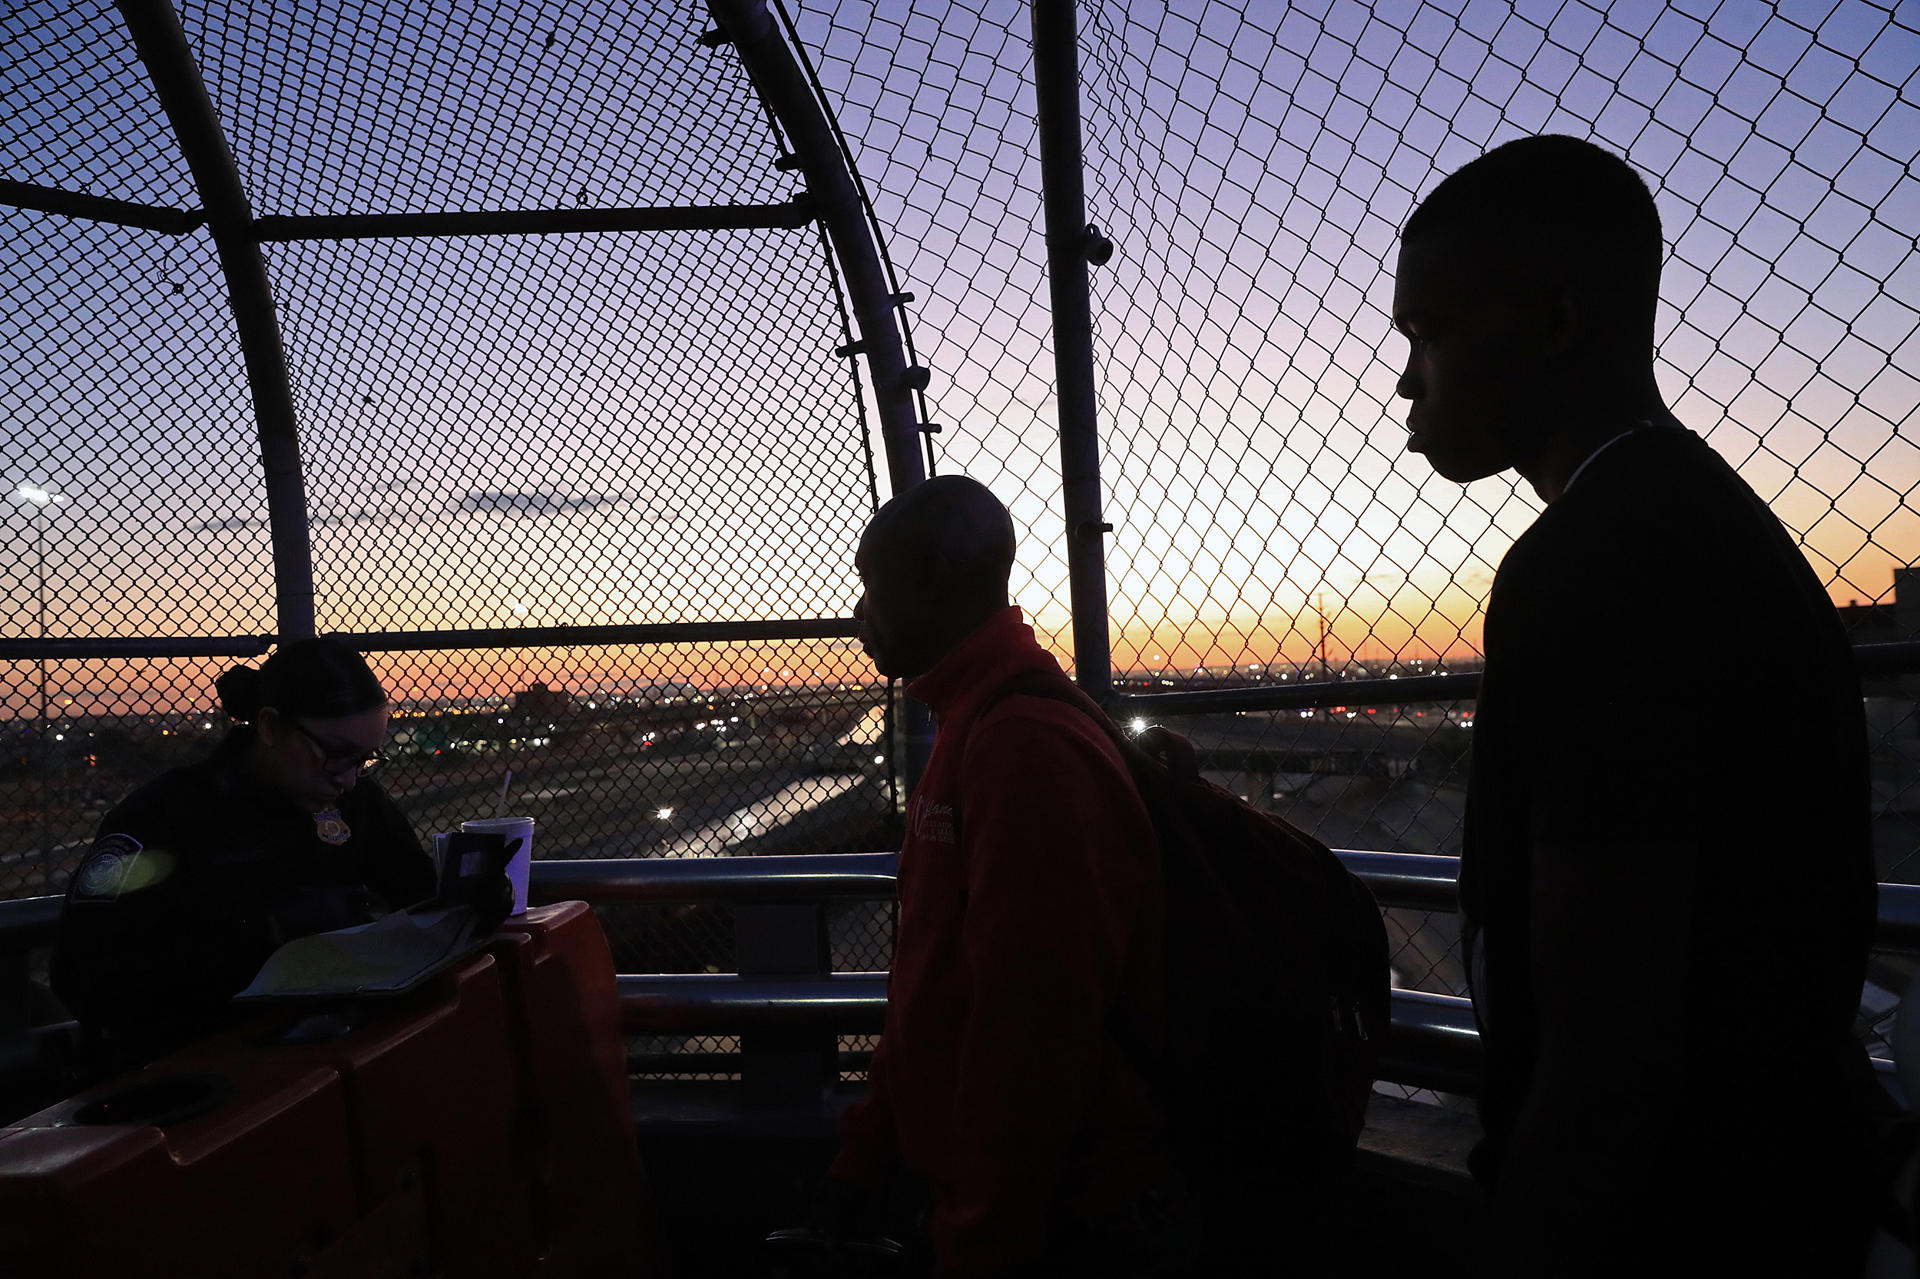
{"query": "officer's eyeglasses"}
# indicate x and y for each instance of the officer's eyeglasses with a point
(335, 758)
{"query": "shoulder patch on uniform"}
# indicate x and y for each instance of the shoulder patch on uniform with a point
(118, 865)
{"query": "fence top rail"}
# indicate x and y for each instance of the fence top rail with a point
(122, 647)
(1899, 658)
(868, 876)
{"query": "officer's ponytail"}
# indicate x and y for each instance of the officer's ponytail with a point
(308, 679)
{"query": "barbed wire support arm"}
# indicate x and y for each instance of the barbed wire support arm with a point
(162, 45)
(770, 64)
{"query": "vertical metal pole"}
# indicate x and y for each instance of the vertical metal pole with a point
(46, 751)
(1056, 85)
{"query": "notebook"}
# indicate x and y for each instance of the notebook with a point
(392, 955)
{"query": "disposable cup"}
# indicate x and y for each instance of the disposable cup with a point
(518, 865)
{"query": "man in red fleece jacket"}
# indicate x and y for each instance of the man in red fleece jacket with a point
(1030, 911)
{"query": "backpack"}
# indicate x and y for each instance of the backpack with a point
(1276, 977)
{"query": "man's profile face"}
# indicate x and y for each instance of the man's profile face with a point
(893, 617)
(1473, 358)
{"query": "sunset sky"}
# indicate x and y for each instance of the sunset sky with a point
(1253, 171)
(590, 429)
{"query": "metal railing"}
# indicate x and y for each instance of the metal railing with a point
(1433, 1043)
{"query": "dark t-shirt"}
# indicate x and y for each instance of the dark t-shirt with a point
(197, 876)
(1666, 680)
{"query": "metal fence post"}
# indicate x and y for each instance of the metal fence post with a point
(829, 183)
(790, 1068)
(1056, 84)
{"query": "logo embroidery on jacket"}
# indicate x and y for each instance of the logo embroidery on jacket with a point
(934, 823)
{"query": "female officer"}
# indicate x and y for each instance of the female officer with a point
(199, 875)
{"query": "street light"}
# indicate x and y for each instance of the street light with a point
(40, 498)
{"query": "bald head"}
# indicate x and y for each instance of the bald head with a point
(934, 564)
(952, 521)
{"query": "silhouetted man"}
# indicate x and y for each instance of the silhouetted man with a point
(1029, 891)
(1667, 881)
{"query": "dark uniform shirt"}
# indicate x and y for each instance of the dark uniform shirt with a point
(197, 877)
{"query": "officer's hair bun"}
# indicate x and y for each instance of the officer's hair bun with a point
(313, 678)
(240, 690)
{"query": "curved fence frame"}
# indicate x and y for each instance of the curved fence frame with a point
(833, 202)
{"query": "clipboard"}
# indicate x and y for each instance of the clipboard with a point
(398, 952)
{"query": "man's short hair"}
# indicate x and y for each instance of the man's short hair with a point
(1562, 203)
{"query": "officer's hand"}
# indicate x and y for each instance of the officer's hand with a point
(493, 901)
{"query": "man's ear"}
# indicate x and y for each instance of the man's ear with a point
(1567, 319)
(268, 726)
(937, 575)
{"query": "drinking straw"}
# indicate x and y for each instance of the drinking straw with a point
(504, 783)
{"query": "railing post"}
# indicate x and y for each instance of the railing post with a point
(789, 1069)
(1056, 85)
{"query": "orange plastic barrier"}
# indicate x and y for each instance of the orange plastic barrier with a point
(433, 1108)
(260, 1184)
(589, 1197)
(479, 1126)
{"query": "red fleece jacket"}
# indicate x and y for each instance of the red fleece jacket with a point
(1030, 909)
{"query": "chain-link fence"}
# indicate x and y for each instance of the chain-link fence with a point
(660, 426)
(1252, 165)
(626, 427)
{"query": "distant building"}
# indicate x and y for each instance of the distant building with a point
(1887, 621)
(1895, 616)
(1870, 623)
(540, 702)
(666, 693)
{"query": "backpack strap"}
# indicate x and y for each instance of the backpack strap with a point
(1154, 757)
(1151, 778)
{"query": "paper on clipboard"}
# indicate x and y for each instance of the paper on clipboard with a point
(388, 956)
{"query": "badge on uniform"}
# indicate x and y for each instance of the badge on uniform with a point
(118, 865)
(331, 827)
